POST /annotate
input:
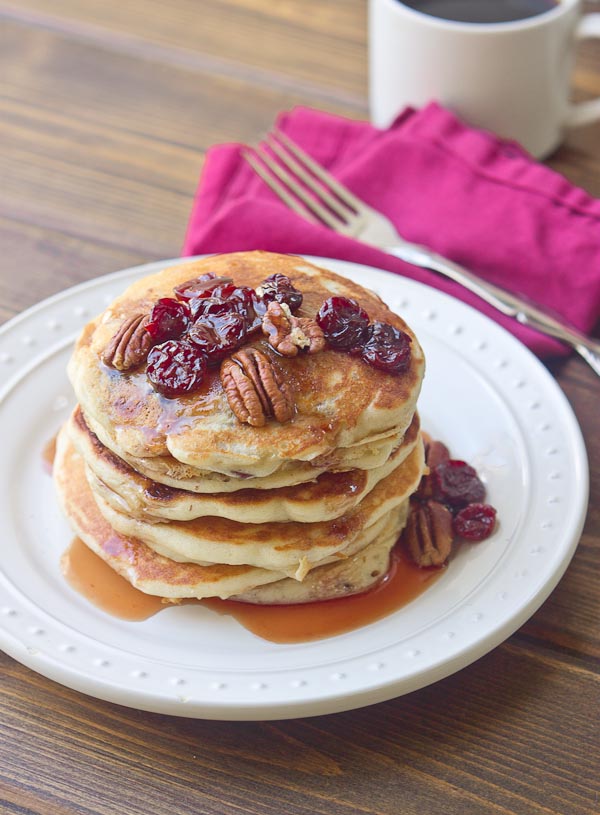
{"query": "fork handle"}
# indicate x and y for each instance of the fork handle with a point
(502, 300)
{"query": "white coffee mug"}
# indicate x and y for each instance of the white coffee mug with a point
(512, 78)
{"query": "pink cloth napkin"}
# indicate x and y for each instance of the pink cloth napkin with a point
(477, 199)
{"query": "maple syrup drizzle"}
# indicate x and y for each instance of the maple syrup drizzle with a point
(327, 618)
(95, 580)
(88, 574)
(102, 586)
(48, 454)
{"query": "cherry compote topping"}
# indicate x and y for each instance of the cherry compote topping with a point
(176, 367)
(343, 322)
(246, 302)
(199, 286)
(255, 308)
(224, 290)
(387, 348)
(217, 335)
(457, 484)
(228, 298)
(208, 307)
(169, 319)
(206, 339)
(280, 288)
(245, 297)
(475, 522)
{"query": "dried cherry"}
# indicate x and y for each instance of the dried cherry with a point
(475, 522)
(199, 286)
(218, 334)
(169, 319)
(176, 367)
(386, 348)
(343, 322)
(246, 302)
(457, 484)
(203, 335)
(279, 287)
(208, 307)
(224, 290)
(256, 309)
(224, 299)
(245, 297)
(231, 328)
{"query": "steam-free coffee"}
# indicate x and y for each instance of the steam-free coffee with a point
(482, 11)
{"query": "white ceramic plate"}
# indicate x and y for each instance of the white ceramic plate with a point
(484, 394)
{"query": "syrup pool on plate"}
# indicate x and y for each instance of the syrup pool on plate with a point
(48, 454)
(89, 575)
(95, 580)
(327, 618)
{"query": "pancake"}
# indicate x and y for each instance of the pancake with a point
(209, 495)
(328, 496)
(288, 547)
(367, 455)
(154, 574)
(137, 563)
(346, 577)
(340, 400)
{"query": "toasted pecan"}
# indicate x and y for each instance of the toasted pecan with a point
(435, 453)
(256, 388)
(130, 345)
(288, 334)
(428, 535)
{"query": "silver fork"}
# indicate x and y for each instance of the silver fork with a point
(312, 192)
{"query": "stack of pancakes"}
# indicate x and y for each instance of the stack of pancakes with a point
(185, 500)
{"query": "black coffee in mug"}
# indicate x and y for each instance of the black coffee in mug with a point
(482, 11)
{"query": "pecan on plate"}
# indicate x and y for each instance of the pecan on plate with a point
(428, 535)
(288, 334)
(435, 453)
(130, 345)
(255, 388)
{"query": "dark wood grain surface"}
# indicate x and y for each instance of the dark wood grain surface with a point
(106, 109)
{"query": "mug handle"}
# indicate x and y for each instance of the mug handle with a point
(585, 112)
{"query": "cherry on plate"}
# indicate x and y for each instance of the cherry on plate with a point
(457, 484)
(475, 522)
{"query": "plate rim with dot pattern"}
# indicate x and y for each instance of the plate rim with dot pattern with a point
(428, 640)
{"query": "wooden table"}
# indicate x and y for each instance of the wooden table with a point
(106, 109)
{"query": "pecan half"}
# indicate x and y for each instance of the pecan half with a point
(428, 534)
(288, 334)
(255, 388)
(130, 345)
(435, 453)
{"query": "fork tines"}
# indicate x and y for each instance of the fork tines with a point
(301, 183)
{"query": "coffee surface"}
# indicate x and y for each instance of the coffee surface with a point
(482, 11)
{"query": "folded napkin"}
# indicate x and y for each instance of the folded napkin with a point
(477, 199)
